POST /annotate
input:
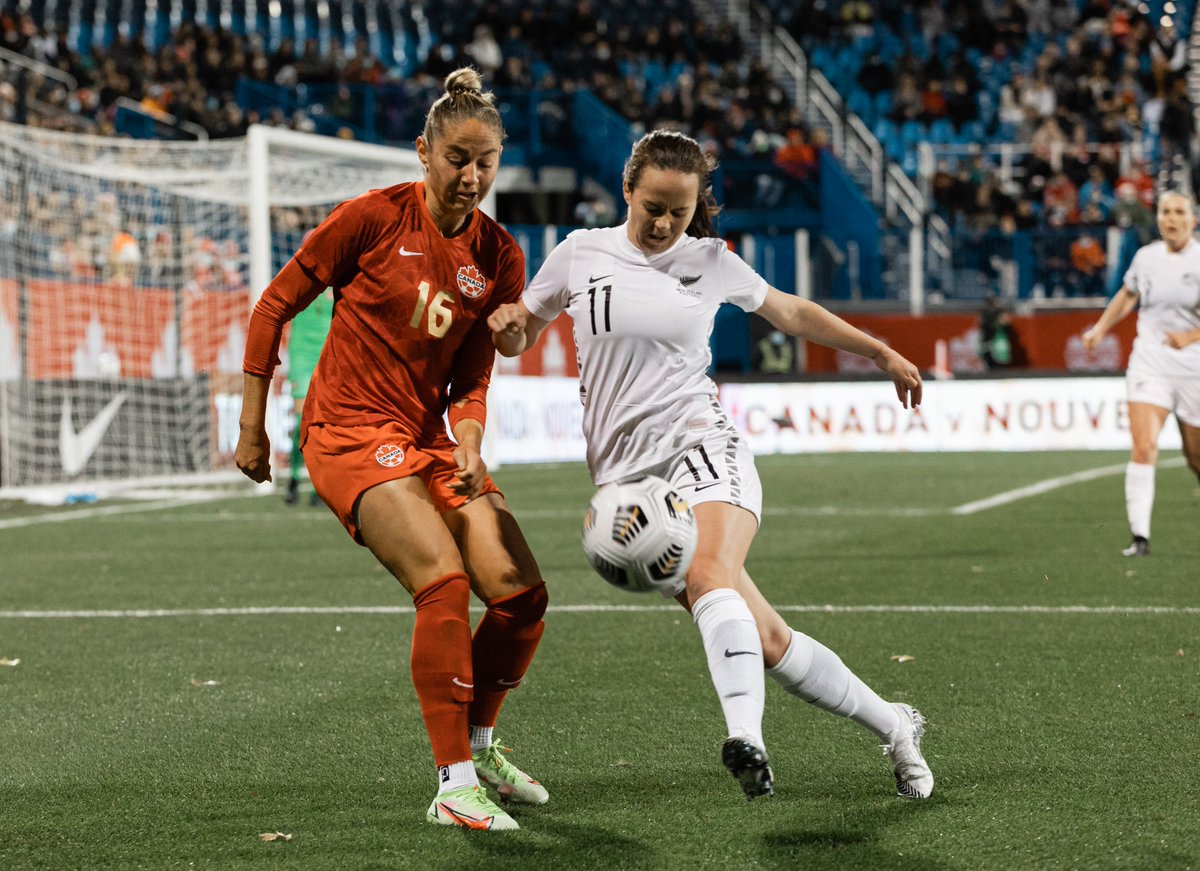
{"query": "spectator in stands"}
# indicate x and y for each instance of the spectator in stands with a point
(1096, 190)
(1130, 211)
(796, 157)
(1090, 264)
(962, 105)
(995, 334)
(484, 50)
(776, 354)
(874, 76)
(1061, 195)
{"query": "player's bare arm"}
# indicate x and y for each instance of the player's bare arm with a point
(253, 453)
(1183, 338)
(514, 328)
(471, 469)
(807, 320)
(1122, 303)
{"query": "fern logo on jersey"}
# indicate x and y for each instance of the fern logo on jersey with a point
(471, 282)
(389, 455)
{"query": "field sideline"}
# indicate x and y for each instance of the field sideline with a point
(192, 675)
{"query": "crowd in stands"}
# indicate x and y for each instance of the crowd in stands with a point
(658, 65)
(1087, 94)
(1079, 90)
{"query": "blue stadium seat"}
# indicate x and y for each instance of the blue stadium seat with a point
(941, 132)
(883, 102)
(912, 132)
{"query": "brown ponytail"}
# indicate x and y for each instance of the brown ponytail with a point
(464, 100)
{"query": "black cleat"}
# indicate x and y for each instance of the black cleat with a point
(293, 492)
(1138, 547)
(748, 764)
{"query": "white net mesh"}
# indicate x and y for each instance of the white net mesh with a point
(125, 289)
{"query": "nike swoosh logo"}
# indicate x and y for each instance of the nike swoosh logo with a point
(461, 684)
(706, 486)
(76, 448)
(404, 253)
(507, 683)
(687, 280)
(598, 277)
(729, 653)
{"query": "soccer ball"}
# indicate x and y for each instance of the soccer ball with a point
(640, 536)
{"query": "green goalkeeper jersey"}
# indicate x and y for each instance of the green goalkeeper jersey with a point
(309, 329)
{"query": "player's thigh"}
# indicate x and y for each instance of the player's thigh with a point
(1145, 424)
(401, 526)
(724, 534)
(497, 557)
(1190, 436)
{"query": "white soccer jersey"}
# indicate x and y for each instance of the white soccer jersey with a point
(642, 324)
(1168, 285)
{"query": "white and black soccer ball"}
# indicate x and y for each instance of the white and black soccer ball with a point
(640, 536)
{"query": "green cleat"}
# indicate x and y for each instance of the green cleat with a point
(468, 807)
(512, 783)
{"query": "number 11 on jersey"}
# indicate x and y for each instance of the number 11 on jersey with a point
(607, 291)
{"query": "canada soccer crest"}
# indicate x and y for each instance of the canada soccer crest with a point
(471, 282)
(389, 455)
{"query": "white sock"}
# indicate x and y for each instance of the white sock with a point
(455, 775)
(811, 671)
(481, 737)
(1139, 497)
(735, 660)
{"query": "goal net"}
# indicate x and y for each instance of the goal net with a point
(128, 270)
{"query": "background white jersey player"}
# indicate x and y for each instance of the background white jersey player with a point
(643, 297)
(1163, 375)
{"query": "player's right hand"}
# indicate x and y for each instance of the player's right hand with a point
(508, 318)
(1091, 338)
(253, 455)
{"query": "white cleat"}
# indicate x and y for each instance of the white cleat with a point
(513, 784)
(468, 807)
(913, 777)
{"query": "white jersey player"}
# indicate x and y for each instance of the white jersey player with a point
(643, 298)
(1163, 376)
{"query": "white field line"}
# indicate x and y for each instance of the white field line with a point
(1103, 610)
(188, 498)
(1049, 484)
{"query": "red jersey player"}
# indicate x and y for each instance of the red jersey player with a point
(416, 271)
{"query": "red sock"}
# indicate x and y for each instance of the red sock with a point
(503, 647)
(441, 665)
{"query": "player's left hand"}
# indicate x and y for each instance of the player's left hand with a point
(472, 471)
(904, 375)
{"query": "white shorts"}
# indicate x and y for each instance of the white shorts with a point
(1180, 395)
(719, 469)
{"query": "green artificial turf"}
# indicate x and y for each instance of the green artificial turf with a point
(1060, 681)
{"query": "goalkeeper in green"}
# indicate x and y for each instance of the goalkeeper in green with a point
(309, 329)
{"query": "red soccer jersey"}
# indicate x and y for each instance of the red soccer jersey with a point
(409, 332)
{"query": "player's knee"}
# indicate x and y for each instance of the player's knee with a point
(525, 607)
(708, 573)
(1144, 453)
(775, 642)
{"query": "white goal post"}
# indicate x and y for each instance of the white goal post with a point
(128, 269)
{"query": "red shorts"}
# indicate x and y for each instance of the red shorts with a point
(346, 461)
